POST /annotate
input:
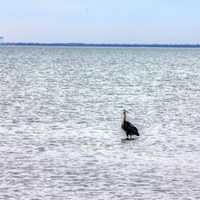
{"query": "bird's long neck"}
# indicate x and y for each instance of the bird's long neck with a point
(124, 116)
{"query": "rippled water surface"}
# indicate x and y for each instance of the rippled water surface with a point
(60, 116)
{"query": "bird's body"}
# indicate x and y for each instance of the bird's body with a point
(129, 128)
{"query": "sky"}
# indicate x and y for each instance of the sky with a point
(101, 21)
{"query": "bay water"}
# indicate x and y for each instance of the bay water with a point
(60, 123)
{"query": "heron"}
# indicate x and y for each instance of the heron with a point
(129, 128)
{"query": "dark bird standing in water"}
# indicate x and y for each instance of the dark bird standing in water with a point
(129, 128)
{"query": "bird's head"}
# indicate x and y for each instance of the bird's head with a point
(124, 111)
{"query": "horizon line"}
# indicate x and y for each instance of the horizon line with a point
(80, 44)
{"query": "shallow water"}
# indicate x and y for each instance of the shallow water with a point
(60, 116)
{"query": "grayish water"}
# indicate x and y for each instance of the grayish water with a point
(60, 118)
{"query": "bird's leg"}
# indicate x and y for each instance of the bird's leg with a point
(127, 136)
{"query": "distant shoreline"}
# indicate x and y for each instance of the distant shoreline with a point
(102, 45)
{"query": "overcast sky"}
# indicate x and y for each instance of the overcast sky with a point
(101, 21)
